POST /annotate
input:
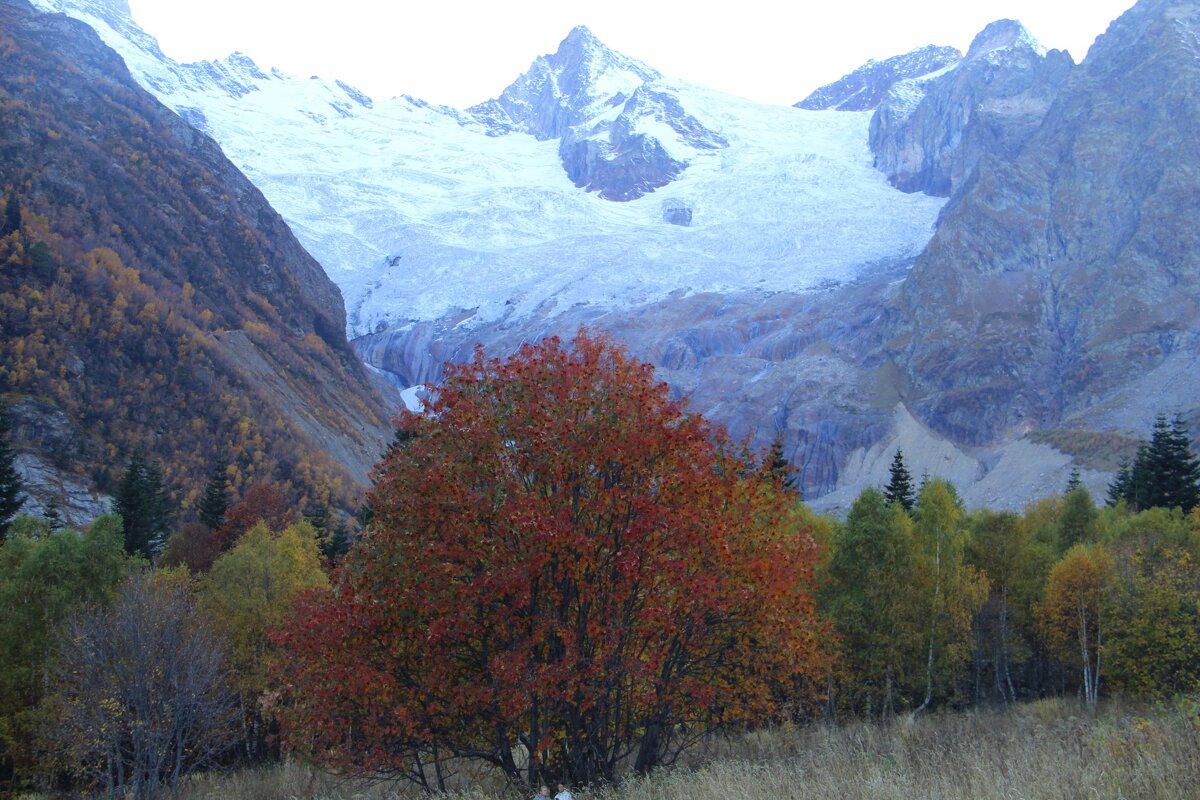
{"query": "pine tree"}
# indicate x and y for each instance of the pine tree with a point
(1165, 473)
(41, 262)
(215, 500)
(317, 515)
(333, 540)
(900, 488)
(51, 514)
(1180, 480)
(10, 482)
(142, 502)
(1073, 481)
(1122, 486)
(1138, 492)
(777, 468)
(336, 543)
(12, 216)
(158, 506)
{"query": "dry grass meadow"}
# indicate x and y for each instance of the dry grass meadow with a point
(1050, 750)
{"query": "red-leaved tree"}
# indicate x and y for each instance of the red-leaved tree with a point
(564, 571)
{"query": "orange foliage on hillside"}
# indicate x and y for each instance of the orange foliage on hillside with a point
(150, 294)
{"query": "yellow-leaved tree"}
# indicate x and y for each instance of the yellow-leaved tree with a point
(953, 590)
(246, 594)
(1074, 614)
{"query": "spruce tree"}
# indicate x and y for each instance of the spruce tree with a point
(1180, 480)
(10, 482)
(141, 500)
(1122, 486)
(215, 500)
(12, 216)
(1164, 474)
(776, 468)
(51, 514)
(317, 515)
(158, 505)
(900, 488)
(1073, 481)
(337, 543)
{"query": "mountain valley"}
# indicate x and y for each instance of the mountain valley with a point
(984, 258)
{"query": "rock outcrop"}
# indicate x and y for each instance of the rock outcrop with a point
(1059, 279)
(928, 133)
(866, 87)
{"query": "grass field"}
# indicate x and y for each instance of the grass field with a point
(1050, 750)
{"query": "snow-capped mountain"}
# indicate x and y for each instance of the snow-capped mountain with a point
(757, 255)
(421, 212)
(622, 130)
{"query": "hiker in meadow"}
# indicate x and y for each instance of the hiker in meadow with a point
(563, 793)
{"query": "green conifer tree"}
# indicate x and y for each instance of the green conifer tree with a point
(12, 216)
(142, 502)
(158, 503)
(777, 468)
(1165, 473)
(51, 514)
(1181, 477)
(215, 500)
(336, 543)
(11, 498)
(1073, 481)
(1122, 486)
(900, 488)
(41, 262)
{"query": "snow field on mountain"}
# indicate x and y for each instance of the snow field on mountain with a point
(447, 219)
(418, 214)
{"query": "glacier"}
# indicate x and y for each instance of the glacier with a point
(421, 212)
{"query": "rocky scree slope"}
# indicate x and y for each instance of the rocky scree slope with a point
(153, 300)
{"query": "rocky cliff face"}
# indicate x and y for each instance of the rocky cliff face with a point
(928, 133)
(170, 309)
(1058, 281)
(622, 132)
(866, 87)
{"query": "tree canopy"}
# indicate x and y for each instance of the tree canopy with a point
(1164, 473)
(560, 556)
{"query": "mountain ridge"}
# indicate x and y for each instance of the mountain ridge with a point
(153, 301)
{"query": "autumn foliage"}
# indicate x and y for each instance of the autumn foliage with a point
(561, 562)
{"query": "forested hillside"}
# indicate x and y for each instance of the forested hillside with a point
(150, 298)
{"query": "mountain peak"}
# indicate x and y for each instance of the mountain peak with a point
(583, 56)
(581, 33)
(562, 89)
(1001, 35)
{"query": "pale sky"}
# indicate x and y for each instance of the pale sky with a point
(461, 52)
